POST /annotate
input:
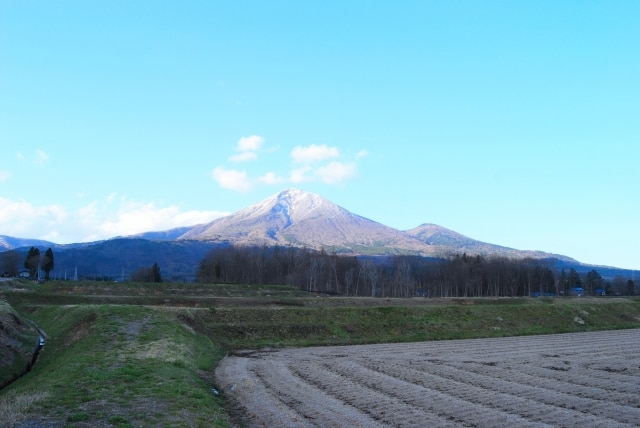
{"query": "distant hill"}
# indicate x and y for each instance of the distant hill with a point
(290, 218)
(9, 243)
(449, 242)
(116, 259)
(166, 235)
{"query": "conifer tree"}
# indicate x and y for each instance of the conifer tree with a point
(32, 262)
(155, 270)
(47, 263)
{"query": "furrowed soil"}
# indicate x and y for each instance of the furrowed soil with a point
(221, 355)
(570, 380)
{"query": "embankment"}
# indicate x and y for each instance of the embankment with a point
(20, 344)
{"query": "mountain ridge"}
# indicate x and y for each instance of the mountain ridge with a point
(300, 218)
(303, 219)
(290, 218)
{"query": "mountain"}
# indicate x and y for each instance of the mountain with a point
(165, 235)
(9, 243)
(447, 241)
(302, 219)
(298, 218)
(119, 257)
(292, 217)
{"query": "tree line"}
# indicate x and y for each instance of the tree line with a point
(400, 276)
(34, 263)
(39, 266)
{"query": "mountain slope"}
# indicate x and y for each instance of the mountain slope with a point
(164, 235)
(292, 217)
(295, 217)
(448, 241)
(10, 243)
(178, 260)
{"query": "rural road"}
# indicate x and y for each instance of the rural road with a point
(570, 380)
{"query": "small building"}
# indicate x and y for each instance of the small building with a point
(24, 274)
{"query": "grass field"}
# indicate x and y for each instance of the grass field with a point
(127, 354)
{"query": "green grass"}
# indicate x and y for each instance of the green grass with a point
(18, 337)
(106, 363)
(238, 328)
(144, 354)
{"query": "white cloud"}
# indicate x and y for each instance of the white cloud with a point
(133, 217)
(112, 216)
(4, 176)
(271, 178)
(311, 163)
(23, 219)
(243, 157)
(301, 175)
(232, 179)
(314, 153)
(111, 197)
(336, 172)
(250, 144)
(247, 148)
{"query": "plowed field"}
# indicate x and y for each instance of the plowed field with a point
(579, 379)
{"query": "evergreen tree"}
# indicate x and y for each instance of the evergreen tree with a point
(32, 262)
(47, 263)
(155, 270)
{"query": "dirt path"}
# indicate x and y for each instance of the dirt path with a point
(581, 379)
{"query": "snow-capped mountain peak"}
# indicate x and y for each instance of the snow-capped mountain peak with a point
(297, 217)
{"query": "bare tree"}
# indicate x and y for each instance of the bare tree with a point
(10, 263)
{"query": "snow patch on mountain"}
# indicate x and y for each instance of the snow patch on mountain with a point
(296, 217)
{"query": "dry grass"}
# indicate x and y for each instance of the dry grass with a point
(14, 407)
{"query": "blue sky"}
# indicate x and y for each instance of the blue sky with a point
(514, 123)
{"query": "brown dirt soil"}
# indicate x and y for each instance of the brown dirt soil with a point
(570, 380)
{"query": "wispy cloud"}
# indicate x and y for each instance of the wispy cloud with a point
(39, 157)
(247, 148)
(323, 163)
(311, 163)
(314, 153)
(337, 172)
(271, 178)
(301, 175)
(243, 157)
(232, 179)
(250, 144)
(4, 176)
